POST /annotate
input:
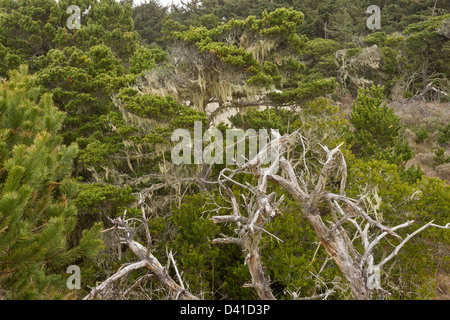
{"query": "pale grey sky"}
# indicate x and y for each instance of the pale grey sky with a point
(164, 2)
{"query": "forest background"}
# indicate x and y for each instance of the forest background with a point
(87, 114)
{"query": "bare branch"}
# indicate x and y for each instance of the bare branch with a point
(361, 212)
(145, 222)
(318, 296)
(372, 245)
(176, 270)
(397, 249)
(105, 285)
(150, 262)
(136, 284)
(224, 219)
(228, 240)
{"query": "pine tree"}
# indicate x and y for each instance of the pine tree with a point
(342, 27)
(37, 211)
(148, 19)
(377, 129)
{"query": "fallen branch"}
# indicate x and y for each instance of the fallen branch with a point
(318, 296)
(105, 285)
(147, 260)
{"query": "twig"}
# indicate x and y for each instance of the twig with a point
(318, 296)
(176, 270)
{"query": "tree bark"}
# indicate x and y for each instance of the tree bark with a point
(259, 281)
(338, 250)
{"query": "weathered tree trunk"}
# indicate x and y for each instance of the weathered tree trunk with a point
(334, 240)
(337, 249)
(259, 281)
(250, 230)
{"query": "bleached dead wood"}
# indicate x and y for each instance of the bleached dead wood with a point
(260, 209)
(357, 263)
(102, 288)
(315, 297)
(146, 260)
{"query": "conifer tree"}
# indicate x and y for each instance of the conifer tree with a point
(377, 129)
(428, 44)
(37, 211)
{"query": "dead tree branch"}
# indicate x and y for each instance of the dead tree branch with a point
(357, 265)
(147, 260)
(105, 285)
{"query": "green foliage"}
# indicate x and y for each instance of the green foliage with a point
(108, 23)
(90, 242)
(37, 211)
(253, 52)
(289, 264)
(444, 135)
(382, 176)
(305, 92)
(99, 199)
(341, 26)
(411, 175)
(81, 83)
(146, 124)
(378, 38)
(160, 108)
(421, 200)
(208, 21)
(30, 26)
(439, 157)
(376, 128)
(145, 58)
(170, 29)
(427, 43)
(217, 271)
(320, 54)
(8, 60)
(421, 259)
(97, 75)
(319, 117)
(95, 152)
(381, 59)
(148, 21)
(282, 22)
(433, 203)
(266, 119)
(422, 134)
